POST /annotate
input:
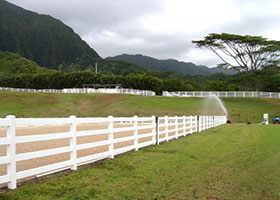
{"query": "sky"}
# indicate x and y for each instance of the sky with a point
(162, 29)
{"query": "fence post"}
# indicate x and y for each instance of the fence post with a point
(198, 123)
(176, 126)
(73, 141)
(191, 124)
(154, 129)
(166, 128)
(195, 124)
(204, 122)
(208, 122)
(158, 129)
(11, 152)
(135, 126)
(201, 123)
(111, 136)
(184, 125)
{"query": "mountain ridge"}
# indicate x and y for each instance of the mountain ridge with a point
(169, 65)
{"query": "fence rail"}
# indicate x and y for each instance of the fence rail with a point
(222, 94)
(85, 90)
(144, 131)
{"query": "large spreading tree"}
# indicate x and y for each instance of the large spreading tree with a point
(242, 53)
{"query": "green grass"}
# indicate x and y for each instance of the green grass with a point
(227, 162)
(97, 105)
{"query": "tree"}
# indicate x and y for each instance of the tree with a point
(242, 53)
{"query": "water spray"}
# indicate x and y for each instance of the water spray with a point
(220, 102)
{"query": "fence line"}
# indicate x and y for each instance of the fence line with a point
(151, 93)
(86, 90)
(221, 94)
(157, 130)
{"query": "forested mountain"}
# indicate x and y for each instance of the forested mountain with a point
(42, 38)
(44, 41)
(12, 63)
(169, 65)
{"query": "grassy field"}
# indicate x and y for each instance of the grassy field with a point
(97, 105)
(227, 162)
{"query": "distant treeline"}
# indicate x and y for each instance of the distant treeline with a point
(267, 79)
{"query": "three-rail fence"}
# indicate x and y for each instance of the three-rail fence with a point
(65, 143)
(244, 94)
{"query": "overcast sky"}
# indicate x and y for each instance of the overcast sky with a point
(161, 28)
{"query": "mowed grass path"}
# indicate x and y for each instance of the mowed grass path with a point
(99, 105)
(227, 162)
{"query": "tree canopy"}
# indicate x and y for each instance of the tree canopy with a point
(242, 53)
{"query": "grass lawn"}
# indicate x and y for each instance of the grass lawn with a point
(99, 105)
(227, 162)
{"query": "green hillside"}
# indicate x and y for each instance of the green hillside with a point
(41, 38)
(99, 105)
(12, 63)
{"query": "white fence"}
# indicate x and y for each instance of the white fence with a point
(221, 94)
(144, 131)
(85, 90)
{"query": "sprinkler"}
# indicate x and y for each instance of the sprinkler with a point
(265, 119)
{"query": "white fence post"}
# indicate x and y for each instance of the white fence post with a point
(208, 124)
(135, 126)
(176, 126)
(195, 124)
(73, 141)
(184, 125)
(154, 129)
(201, 123)
(204, 124)
(191, 124)
(111, 136)
(198, 125)
(158, 130)
(166, 128)
(11, 151)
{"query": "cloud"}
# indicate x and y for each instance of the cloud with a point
(160, 28)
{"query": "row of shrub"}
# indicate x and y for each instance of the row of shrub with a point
(264, 80)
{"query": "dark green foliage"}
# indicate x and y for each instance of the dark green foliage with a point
(218, 86)
(261, 80)
(119, 67)
(242, 53)
(42, 38)
(60, 80)
(169, 65)
(12, 63)
(173, 85)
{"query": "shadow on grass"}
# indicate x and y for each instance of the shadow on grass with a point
(160, 151)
